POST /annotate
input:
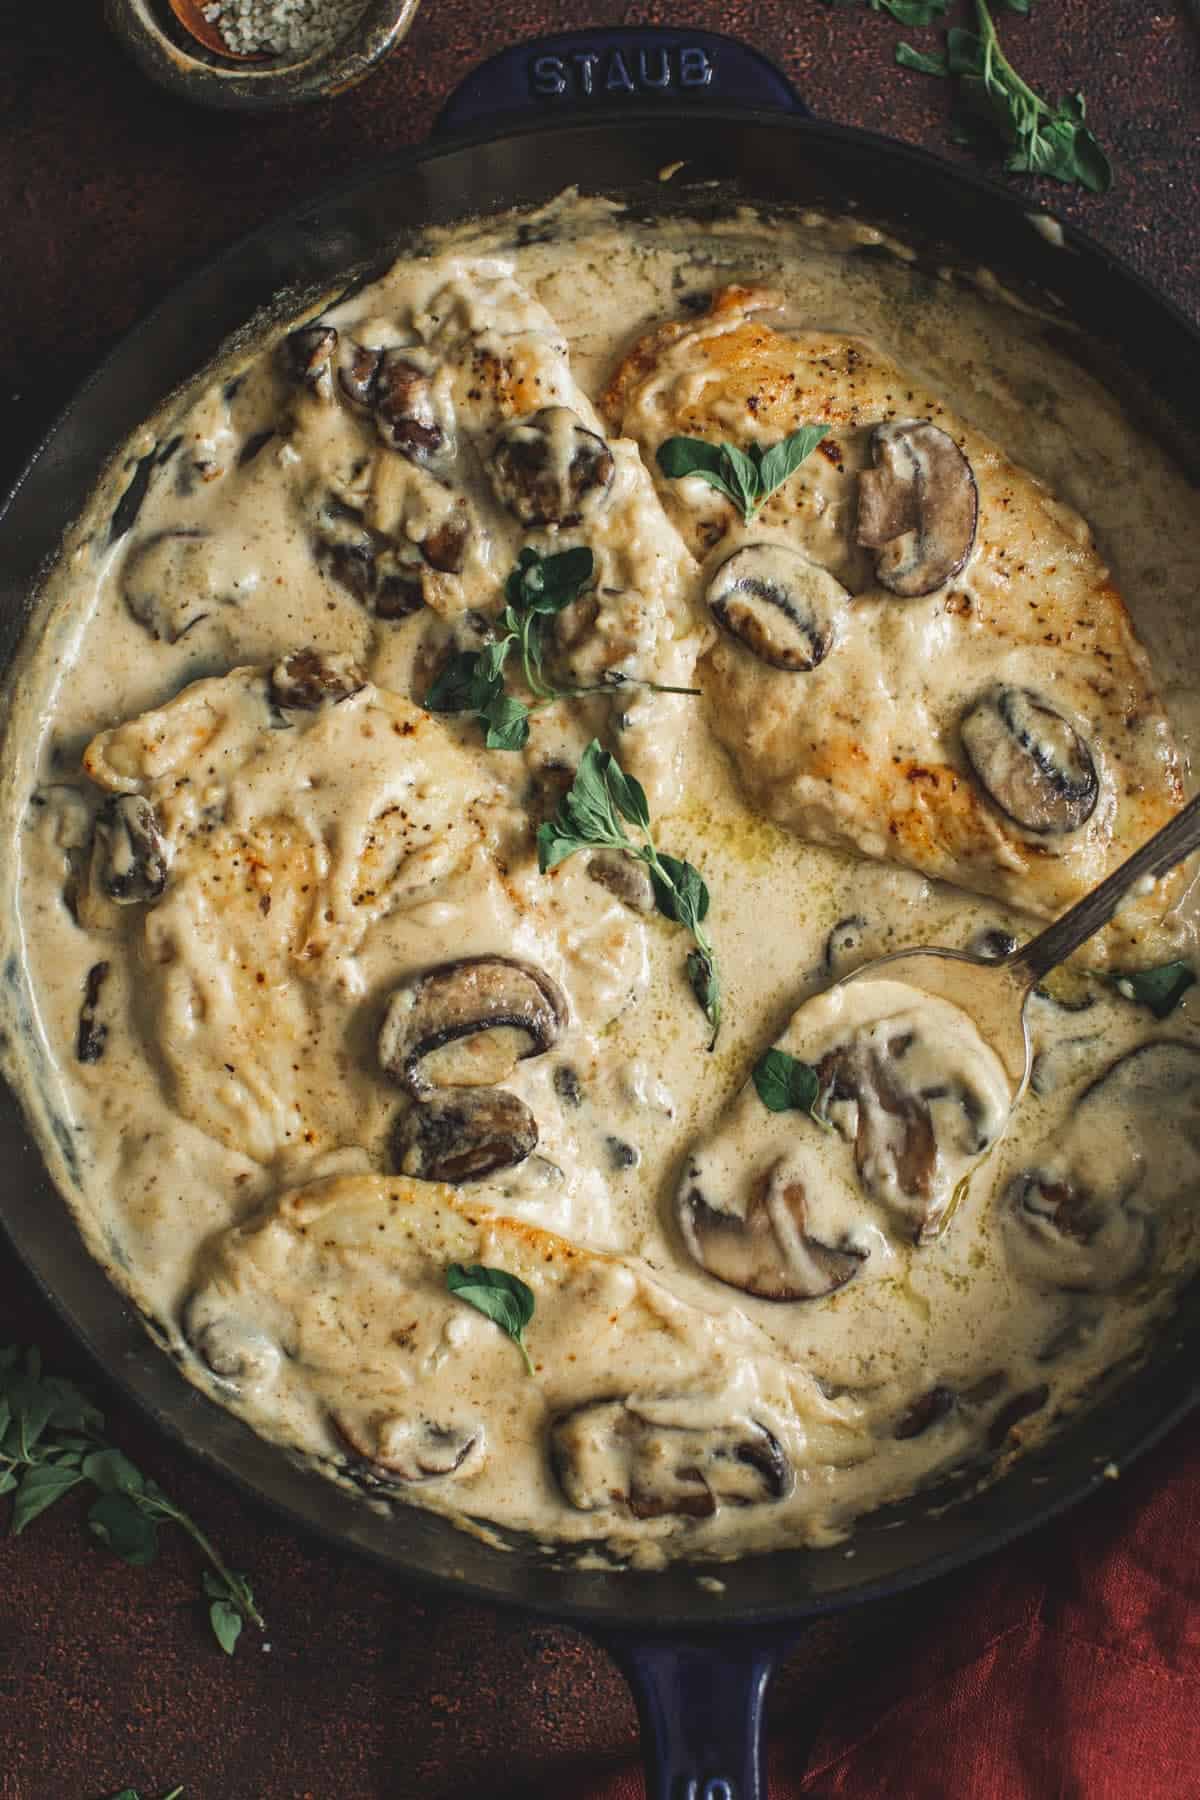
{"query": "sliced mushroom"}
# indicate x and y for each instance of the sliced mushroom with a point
(918, 507)
(172, 580)
(769, 1249)
(307, 678)
(402, 397)
(902, 1115)
(1063, 1062)
(468, 1023)
(550, 469)
(92, 1033)
(396, 589)
(925, 1412)
(1030, 761)
(445, 548)
(1010, 1415)
(844, 946)
(240, 1355)
(1083, 1240)
(608, 1454)
(785, 609)
(358, 371)
(309, 353)
(396, 1449)
(625, 876)
(1085, 1216)
(130, 850)
(567, 1085)
(462, 1135)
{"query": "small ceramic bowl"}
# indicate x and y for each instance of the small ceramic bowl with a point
(169, 55)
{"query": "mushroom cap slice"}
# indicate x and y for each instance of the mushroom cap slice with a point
(550, 469)
(1087, 1215)
(785, 609)
(1030, 761)
(463, 1134)
(918, 506)
(130, 850)
(397, 1449)
(498, 1010)
(631, 1454)
(358, 370)
(307, 678)
(402, 397)
(309, 353)
(767, 1250)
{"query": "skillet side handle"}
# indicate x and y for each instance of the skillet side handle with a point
(576, 72)
(700, 1707)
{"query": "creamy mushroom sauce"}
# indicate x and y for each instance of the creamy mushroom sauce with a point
(193, 1063)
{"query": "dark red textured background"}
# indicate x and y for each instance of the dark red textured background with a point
(1071, 1667)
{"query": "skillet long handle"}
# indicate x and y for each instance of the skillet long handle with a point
(700, 1707)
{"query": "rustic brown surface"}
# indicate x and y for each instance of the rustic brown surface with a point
(108, 193)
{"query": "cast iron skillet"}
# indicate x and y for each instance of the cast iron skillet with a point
(698, 1660)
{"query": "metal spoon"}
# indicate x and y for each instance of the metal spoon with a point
(993, 991)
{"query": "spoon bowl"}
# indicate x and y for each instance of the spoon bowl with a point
(993, 991)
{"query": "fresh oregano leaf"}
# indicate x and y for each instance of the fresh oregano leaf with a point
(705, 983)
(784, 458)
(785, 1084)
(683, 895)
(1160, 989)
(507, 723)
(499, 1296)
(121, 1525)
(913, 12)
(924, 64)
(628, 794)
(39, 1488)
(680, 456)
(452, 691)
(226, 1622)
(113, 1473)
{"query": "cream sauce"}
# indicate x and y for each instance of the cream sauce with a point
(318, 856)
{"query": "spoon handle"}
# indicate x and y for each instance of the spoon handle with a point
(1161, 853)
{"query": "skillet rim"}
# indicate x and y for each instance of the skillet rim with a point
(140, 1371)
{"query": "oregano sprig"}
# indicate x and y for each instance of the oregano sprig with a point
(51, 1440)
(747, 477)
(996, 103)
(590, 816)
(473, 680)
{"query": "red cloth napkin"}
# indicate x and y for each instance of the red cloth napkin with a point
(1066, 1668)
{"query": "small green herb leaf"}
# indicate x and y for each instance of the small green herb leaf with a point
(119, 1522)
(455, 687)
(501, 1297)
(1160, 989)
(507, 722)
(913, 12)
(113, 1473)
(226, 1622)
(546, 584)
(924, 64)
(784, 458)
(680, 456)
(785, 1084)
(680, 891)
(39, 1488)
(705, 983)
